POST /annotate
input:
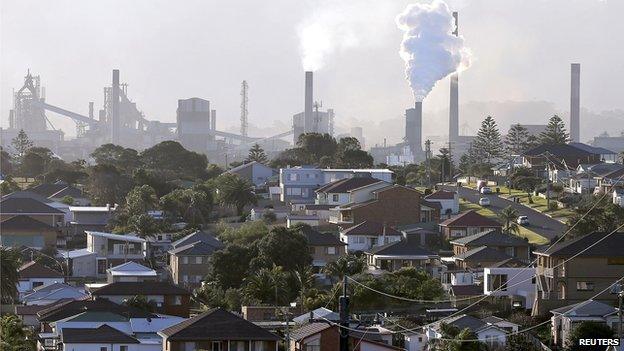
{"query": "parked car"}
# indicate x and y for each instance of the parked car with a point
(523, 220)
(486, 190)
(484, 201)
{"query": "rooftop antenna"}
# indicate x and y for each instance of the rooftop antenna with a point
(243, 106)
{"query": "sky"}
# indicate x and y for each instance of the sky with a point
(169, 50)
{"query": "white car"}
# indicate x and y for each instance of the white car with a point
(484, 201)
(523, 220)
(486, 190)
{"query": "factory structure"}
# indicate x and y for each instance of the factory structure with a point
(312, 119)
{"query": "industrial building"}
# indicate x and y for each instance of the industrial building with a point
(312, 119)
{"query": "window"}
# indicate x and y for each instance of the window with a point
(615, 261)
(123, 348)
(584, 286)
(185, 278)
(185, 259)
(36, 284)
(331, 250)
(217, 346)
(293, 191)
(497, 281)
(103, 348)
(335, 197)
(510, 251)
(293, 176)
(177, 300)
(198, 260)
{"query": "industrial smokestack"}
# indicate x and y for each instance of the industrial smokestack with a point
(575, 102)
(308, 118)
(91, 109)
(413, 128)
(114, 123)
(213, 119)
(454, 96)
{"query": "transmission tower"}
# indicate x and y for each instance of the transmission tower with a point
(243, 106)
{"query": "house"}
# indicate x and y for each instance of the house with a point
(34, 274)
(26, 206)
(479, 257)
(217, 329)
(27, 194)
(168, 298)
(513, 280)
(618, 197)
(102, 338)
(47, 294)
(322, 336)
(511, 245)
(321, 312)
(58, 190)
(464, 294)
(254, 172)
(448, 200)
(403, 253)
(26, 231)
(189, 258)
(321, 212)
(539, 157)
(588, 176)
(502, 323)
(130, 272)
(381, 206)
(468, 223)
(605, 154)
(339, 192)
(598, 262)
(489, 333)
(292, 220)
(369, 234)
(323, 247)
(90, 218)
(565, 318)
(257, 213)
(299, 183)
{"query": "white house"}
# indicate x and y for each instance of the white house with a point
(564, 319)
(514, 283)
(33, 275)
(341, 192)
(618, 197)
(448, 200)
(366, 235)
(130, 272)
(255, 172)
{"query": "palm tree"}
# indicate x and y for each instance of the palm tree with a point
(9, 264)
(345, 265)
(235, 191)
(508, 216)
(305, 279)
(14, 336)
(266, 285)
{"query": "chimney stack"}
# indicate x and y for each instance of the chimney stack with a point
(114, 122)
(91, 109)
(413, 127)
(454, 97)
(575, 102)
(308, 118)
(213, 119)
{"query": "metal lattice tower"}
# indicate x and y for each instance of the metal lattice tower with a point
(243, 106)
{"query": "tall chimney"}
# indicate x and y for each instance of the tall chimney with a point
(213, 119)
(413, 127)
(114, 123)
(454, 97)
(308, 118)
(91, 109)
(575, 102)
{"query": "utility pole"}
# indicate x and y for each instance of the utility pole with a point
(428, 161)
(450, 158)
(343, 309)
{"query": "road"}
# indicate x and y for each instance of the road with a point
(540, 223)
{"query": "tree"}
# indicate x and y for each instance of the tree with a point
(229, 266)
(317, 145)
(140, 302)
(555, 132)
(520, 342)
(284, 247)
(445, 164)
(353, 159)
(305, 281)
(595, 215)
(107, 185)
(235, 191)
(267, 285)
(192, 205)
(508, 216)
(516, 140)
(488, 141)
(21, 144)
(256, 153)
(244, 235)
(6, 162)
(140, 200)
(9, 264)
(14, 335)
(143, 224)
(32, 165)
(527, 184)
(346, 265)
(125, 159)
(454, 339)
(170, 155)
(588, 330)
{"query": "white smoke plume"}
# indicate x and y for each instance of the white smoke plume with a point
(429, 48)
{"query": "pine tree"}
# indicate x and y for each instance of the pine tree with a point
(21, 144)
(256, 153)
(555, 132)
(488, 140)
(516, 141)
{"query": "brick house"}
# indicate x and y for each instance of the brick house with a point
(189, 258)
(326, 337)
(26, 231)
(324, 247)
(468, 223)
(511, 245)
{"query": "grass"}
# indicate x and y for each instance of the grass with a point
(539, 204)
(525, 232)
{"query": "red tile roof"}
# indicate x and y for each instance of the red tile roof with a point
(470, 219)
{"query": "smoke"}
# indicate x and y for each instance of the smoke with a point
(429, 48)
(333, 26)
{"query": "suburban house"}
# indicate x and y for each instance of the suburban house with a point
(47, 294)
(605, 154)
(189, 258)
(344, 191)
(254, 172)
(479, 257)
(588, 176)
(58, 190)
(217, 329)
(402, 254)
(541, 157)
(448, 200)
(560, 283)
(468, 223)
(320, 312)
(369, 234)
(299, 183)
(168, 298)
(565, 318)
(489, 333)
(11, 206)
(512, 245)
(130, 272)
(89, 218)
(618, 197)
(513, 280)
(464, 295)
(380, 205)
(326, 337)
(103, 338)
(33, 275)
(324, 247)
(26, 231)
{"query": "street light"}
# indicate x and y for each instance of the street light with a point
(619, 290)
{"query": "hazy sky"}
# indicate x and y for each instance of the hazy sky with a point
(166, 50)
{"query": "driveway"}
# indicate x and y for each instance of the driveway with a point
(540, 223)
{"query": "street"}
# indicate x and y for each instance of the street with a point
(539, 222)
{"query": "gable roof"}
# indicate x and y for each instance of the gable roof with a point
(588, 308)
(198, 248)
(48, 189)
(406, 247)
(441, 195)
(559, 150)
(308, 330)
(316, 238)
(68, 191)
(34, 269)
(371, 228)
(70, 308)
(347, 184)
(25, 205)
(246, 165)
(217, 324)
(139, 288)
(55, 291)
(132, 268)
(119, 237)
(592, 149)
(482, 253)
(24, 222)
(320, 312)
(470, 219)
(103, 334)
(199, 235)
(608, 247)
(27, 194)
(490, 238)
